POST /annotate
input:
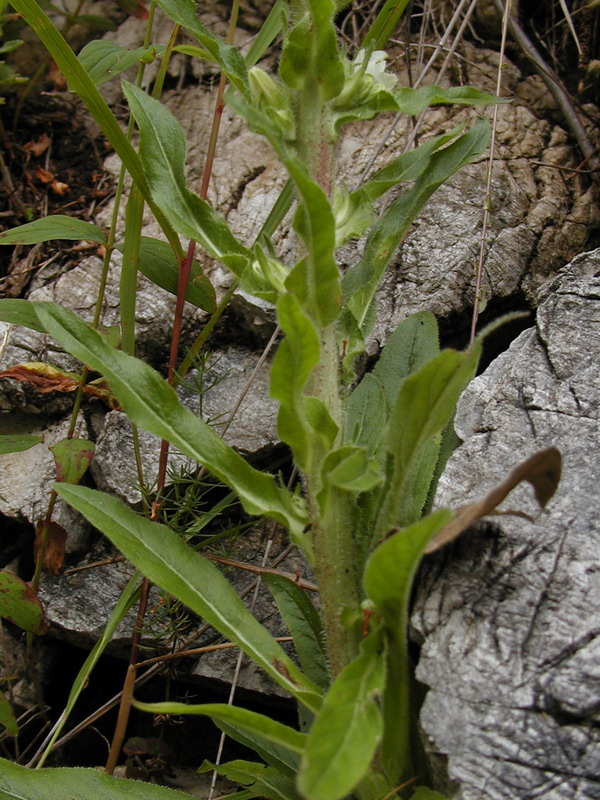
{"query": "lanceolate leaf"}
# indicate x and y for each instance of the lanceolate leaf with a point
(167, 561)
(20, 312)
(226, 56)
(413, 343)
(257, 724)
(304, 624)
(315, 223)
(310, 56)
(347, 729)
(388, 578)
(103, 60)
(163, 152)
(385, 24)
(413, 101)
(20, 604)
(360, 283)
(265, 782)
(423, 407)
(16, 444)
(20, 783)
(159, 264)
(57, 226)
(152, 404)
(365, 412)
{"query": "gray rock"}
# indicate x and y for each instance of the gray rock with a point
(26, 478)
(508, 616)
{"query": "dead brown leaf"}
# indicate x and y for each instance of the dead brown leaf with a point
(59, 188)
(43, 175)
(38, 147)
(56, 542)
(43, 377)
(542, 470)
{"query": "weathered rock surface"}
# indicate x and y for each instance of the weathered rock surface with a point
(26, 478)
(508, 617)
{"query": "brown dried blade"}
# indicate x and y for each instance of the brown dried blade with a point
(542, 470)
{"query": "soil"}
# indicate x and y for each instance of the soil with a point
(54, 160)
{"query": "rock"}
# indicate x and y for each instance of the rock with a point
(508, 616)
(26, 478)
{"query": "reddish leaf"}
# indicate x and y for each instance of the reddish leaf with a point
(54, 551)
(43, 175)
(100, 389)
(43, 377)
(38, 147)
(72, 458)
(542, 470)
(20, 604)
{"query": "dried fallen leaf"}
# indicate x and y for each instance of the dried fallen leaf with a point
(43, 175)
(56, 542)
(542, 470)
(43, 377)
(38, 147)
(59, 188)
(57, 78)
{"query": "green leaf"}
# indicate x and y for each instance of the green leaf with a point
(424, 793)
(405, 167)
(20, 312)
(56, 226)
(167, 561)
(365, 414)
(258, 725)
(266, 782)
(7, 717)
(413, 101)
(424, 406)
(163, 153)
(349, 468)
(414, 342)
(20, 783)
(390, 569)
(267, 33)
(310, 56)
(16, 444)
(72, 457)
(347, 729)
(304, 624)
(385, 24)
(183, 12)
(20, 604)
(388, 576)
(159, 264)
(152, 404)
(296, 357)
(103, 60)
(360, 282)
(315, 224)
